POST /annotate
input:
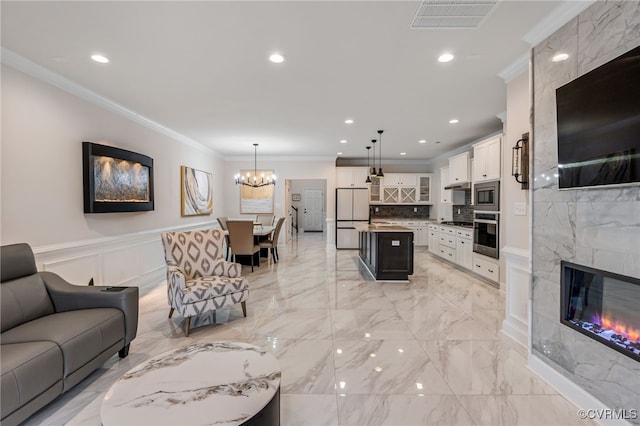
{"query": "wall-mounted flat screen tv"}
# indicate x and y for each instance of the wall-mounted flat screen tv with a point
(599, 125)
(116, 180)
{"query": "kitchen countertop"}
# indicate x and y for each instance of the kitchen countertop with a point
(380, 227)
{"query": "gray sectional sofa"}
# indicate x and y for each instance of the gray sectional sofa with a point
(54, 334)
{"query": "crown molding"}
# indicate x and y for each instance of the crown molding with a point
(279, 159)
(41, 73)
(515, 69)
(556, 19)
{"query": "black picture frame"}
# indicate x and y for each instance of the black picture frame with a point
(91, 203)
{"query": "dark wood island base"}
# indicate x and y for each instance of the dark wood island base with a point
(386, 251)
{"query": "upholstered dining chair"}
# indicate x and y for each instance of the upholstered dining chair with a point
(272, 243)
(222, 220)
(266, 219)
(199, 280)
(242, 241)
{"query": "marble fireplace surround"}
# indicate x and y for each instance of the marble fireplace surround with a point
(599, 228)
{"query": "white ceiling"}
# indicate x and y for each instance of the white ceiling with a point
(201, 69)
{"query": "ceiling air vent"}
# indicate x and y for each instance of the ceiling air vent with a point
(452, 13)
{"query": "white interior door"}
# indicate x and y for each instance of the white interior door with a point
(313, 210)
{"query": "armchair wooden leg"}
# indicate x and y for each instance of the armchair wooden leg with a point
(187, 326)
(244, 307)
(171, 312)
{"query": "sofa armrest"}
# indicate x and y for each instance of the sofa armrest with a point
(69, 297)
(229, 269)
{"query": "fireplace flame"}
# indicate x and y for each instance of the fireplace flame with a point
(617, 327)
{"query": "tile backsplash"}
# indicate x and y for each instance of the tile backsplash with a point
(466, 209)
(406, 212)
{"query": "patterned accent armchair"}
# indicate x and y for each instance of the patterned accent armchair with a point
(198, 278)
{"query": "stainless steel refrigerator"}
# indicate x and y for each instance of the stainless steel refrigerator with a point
(352, 205)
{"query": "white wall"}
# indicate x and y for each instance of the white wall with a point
(515, 228)
(516, 240)
(42, 133)
(43, 128)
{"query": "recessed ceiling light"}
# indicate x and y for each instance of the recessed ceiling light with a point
(339, 153)
(100, 58)
(403, 153)
(454, 121)
(422, 141)
(348, 121)
(343, 141)
(560, 57)
(437, 141)
(445, 57)
(276, 58)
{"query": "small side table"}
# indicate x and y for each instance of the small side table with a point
(225, 383)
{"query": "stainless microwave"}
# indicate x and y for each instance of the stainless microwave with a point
(487, 196)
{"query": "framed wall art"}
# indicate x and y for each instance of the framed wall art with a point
(257, 200)
(116, 180)
(196, 192)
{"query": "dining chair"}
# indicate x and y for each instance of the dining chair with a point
(272, 243)
(222, 220)
(266, 219)
(242, 241)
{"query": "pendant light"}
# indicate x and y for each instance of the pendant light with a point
(253, 181)
(380, 174)
(373, 169)
(368, 177)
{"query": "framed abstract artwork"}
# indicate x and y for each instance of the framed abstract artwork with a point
(196, 192)
(257, 200)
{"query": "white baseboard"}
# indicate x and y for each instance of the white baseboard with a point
(574, 393)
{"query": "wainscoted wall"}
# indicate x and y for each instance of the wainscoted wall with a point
(135, 259)
(592, 227)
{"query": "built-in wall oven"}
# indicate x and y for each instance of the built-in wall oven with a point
(487, 196)
(486, 229)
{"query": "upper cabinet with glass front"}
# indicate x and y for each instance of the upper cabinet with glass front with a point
(374, 190)
(424, 188)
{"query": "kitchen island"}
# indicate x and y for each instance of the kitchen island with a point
(386, 250)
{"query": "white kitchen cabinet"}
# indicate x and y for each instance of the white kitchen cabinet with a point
(375, 194)
(398, 195)
(434, 236)
(486, 160)
(424, 188)
(486, 267)
(445, 194)
(459, 168)
(464, 248)
(351, 177)
(400, 179)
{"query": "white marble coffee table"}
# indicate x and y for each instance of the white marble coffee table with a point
(224, 383)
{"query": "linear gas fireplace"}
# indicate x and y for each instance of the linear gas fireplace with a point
(602, 305)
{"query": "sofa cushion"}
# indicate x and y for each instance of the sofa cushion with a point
(23, 299)
(28, 370)
(81, 335)
(209, 287)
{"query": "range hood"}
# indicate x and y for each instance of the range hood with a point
(461, 185)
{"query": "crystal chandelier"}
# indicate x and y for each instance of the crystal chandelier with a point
(255, 181)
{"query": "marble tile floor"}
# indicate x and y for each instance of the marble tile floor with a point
(353, 351)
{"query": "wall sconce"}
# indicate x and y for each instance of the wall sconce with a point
(520, 161)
